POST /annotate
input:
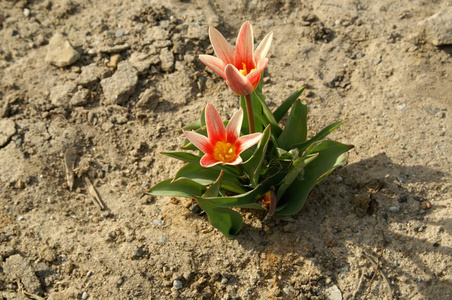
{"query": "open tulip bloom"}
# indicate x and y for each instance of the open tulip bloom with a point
(223, 145)
(260, 164)
(240, 67)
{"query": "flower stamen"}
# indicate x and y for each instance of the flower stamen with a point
(224, 152)
(244, 71)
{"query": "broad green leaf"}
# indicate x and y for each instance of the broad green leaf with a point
(187, 189)
(330, 156)
(229, 222)
(281, 111)
(319, 136)
(194, 159)
(296, 129)
(295, 170)
(206, 176)
(252, 167)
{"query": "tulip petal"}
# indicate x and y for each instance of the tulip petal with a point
(214, 63)
(200, 141)
(215, 127)
(262, 49)
(238, 160)
(208, 161)
(233, 127)
(237, 82)
(244, 48)
(247, 141)
(255, 76)
(222, 48)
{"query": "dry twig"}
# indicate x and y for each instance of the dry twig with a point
(69, 161)
(93, 192)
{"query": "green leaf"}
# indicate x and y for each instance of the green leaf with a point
(295, 170)
(194, 159)
(205, 176)
(252, 167)
(187, 189)
(296, 129)
(248, 200)
(229, 222)
(330, 156)
(184, 156)
(319, 136)
(281, 111)
(193, 126)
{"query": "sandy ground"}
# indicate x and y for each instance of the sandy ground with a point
(122, 78)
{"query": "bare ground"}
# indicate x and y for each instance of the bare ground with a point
(378, 228)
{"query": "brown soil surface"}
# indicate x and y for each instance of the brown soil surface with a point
(378, 228)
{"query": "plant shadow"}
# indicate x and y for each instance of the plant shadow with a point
(376, 210)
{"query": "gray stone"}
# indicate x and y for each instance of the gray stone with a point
(167, 60)
(333, 293)
(61, 94)
(7, 130)
(438, 28)
(60, 52)
(80, 98)
(18, 268)
(394, 209)
(119, 87)
(149, 99)
(91, 74)
(178, 284)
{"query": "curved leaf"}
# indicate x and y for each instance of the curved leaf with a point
(319, 136)
(296, 128)
(206, 176)
(281, 111)
(330, 156)
(253, 166)
(295, 170)
(177, 189)
(229, 222)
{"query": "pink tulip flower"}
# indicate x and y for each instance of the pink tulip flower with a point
(240, 67)
(223, 145)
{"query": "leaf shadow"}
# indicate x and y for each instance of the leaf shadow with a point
(376, 208)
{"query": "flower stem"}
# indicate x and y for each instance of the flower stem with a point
(249, 111)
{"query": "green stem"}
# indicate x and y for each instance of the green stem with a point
(249, 111)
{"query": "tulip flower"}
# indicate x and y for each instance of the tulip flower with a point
(223, 145)
(240, 67)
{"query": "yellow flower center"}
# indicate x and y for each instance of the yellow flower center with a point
(244, 71)
(224, 152)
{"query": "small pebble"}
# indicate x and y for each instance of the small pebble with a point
(20, 218)
(224, 281)
(26, 12)
(401, 106)
(195, 208)
(119, 33)
(177, 284)
(268, 101)
(85, 295)
(394, 209)
(89, 273)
